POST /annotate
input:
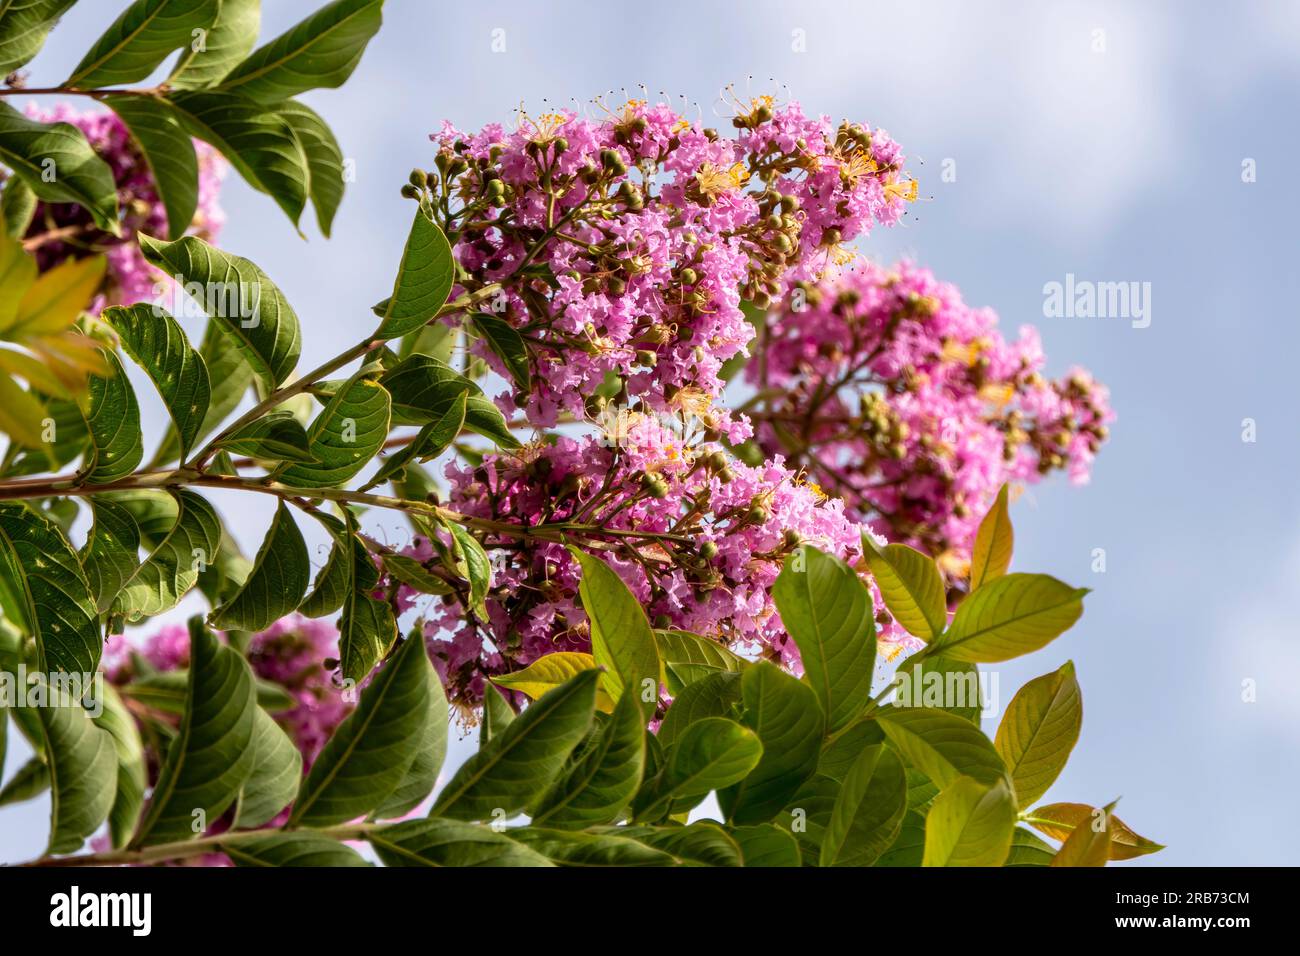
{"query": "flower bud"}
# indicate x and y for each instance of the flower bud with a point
(708, 550)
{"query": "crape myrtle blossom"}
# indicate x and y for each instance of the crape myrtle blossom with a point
(909, 404)
(698, 537)
(62, 231)
(623, 246)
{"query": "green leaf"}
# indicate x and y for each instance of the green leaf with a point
(226, 42)
(497, 715)
(51, 591)
(28, 782)
(550, 671)
(321, 51)
(423, 389)
(868, 811)
(788, 720)
(291, 849)
(970, 824)
(411, 572)
(711, 754)
(766, 844)
(366, 628)
(809, 813)
(158, 345)
(569, 848)
(17, 207)
(1029, 850)
(699, 844)
(114, 423)
(422, 775)
(941, 745)
(139, 40)
(991, 555)
(21, 414)
(911, 586)
(518, 765)
(24, 25)
(908, 848)
(1060, 820)
(449, 843)
(939, 683)
(325, 169)
(169, 152)
(277, 436)
(841, 752)
(1010, 616)
(276, 774)
(604, 780)
(432, 440)
(507, 344)
(34, 150)
(827, 609)
(131, 774)
(173, 567)
(167, 691)
(259, 143)
(333, 582)
(111, 555)
(717, 695)
(277, 583)
(688, 658)
(472, 564)
(229, 377)
(344, 437)
(82, 764)
(371, 751)
(243, 302)
(621, 639)
(212, 755)
(1038, 731)
(424, 279)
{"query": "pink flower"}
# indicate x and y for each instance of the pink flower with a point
(909, 405)
(699, 539)
(624, 245)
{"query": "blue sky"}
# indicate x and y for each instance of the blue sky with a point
(1113, 155)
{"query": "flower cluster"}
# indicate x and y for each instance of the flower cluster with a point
(910, 406)
(61, 231)
(290, 653)
(698, 537)
(623, 246)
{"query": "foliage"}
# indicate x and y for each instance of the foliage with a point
(82, 186)
(704, 627)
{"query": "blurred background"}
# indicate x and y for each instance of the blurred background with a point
(1116, 142)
